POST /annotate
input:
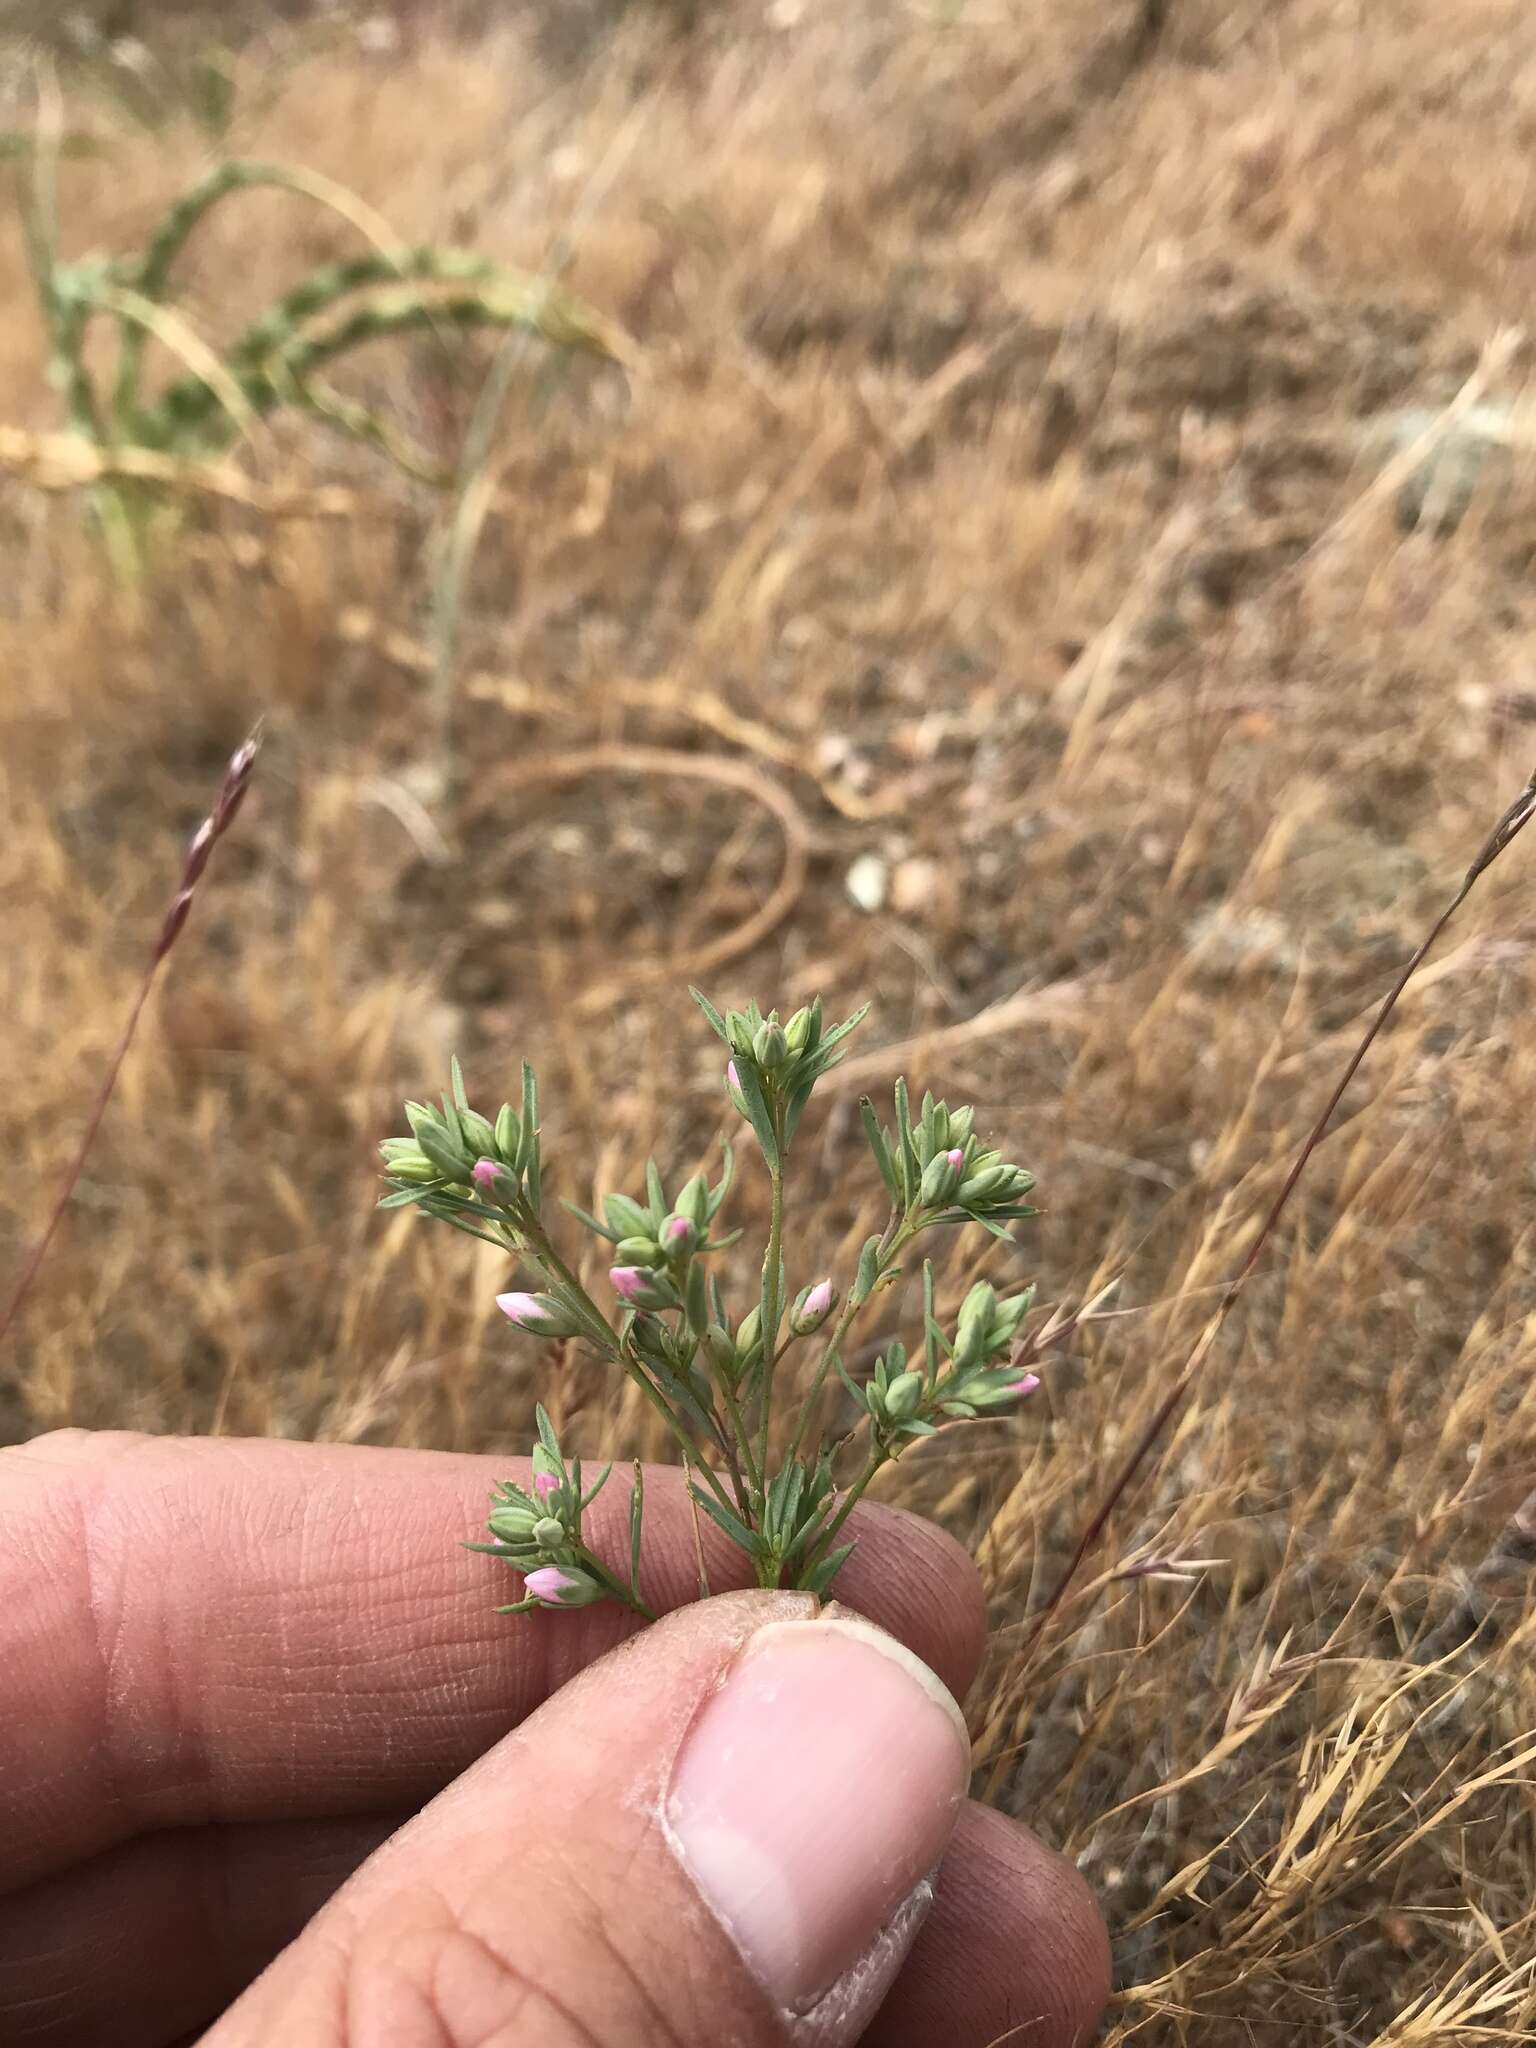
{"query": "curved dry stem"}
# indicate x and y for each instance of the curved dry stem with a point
(725, 774)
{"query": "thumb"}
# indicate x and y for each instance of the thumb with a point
(723, 1831)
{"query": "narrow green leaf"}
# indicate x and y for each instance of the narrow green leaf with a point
(529, 1163)
(586, 1216)
(853, 1387)
(456, 1074)
(840, 1031)
(737, 1530)
(911, 1173)
(818, 1580)
(469, 1230)
(793, 1108)
(727, 1174)
(657, 1195)
(547, 1437)
(696, 1297)
(931, 1335)
(878, 1146)
(755, 1104)
(636, 1517)
(715, 1020)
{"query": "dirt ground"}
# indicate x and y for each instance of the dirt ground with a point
(981, 593)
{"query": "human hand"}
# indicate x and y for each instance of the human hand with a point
(235, 1676)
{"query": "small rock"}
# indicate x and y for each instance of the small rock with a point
(913, 884)
(866, 882)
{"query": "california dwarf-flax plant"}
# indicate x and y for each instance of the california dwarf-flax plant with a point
(714, 1371)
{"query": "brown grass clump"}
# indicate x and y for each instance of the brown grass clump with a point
(992, 503)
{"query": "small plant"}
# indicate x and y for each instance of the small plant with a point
(719, 1375)
(281, 358)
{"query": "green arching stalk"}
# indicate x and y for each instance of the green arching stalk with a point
(349, 416)
(152, 273)
(186, 408)
(274, 362)
(333, 282)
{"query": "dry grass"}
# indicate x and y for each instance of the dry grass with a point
(993, 497)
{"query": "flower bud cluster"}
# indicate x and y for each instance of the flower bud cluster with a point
(537, 1530)
(461, 1165)
(936, 1168)
(773, 1067)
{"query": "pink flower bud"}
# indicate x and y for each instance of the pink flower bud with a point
(956, 1158)
(486, 1173)
(1022, 1386)
(628, 1281)
(812, 1306)
(732, 1076)
(552, 1586)
(545, 1485)
(526, 1310)
(680, 1232)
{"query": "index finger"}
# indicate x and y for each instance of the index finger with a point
(198, 1630)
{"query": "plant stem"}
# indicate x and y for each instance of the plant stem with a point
(528, 1226)
(741, 1441)
(900, 1231)
(878, 1456)
(689, 1449)
(771, 1309)
(615, 1587)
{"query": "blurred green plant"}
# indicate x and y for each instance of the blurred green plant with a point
(280, 359)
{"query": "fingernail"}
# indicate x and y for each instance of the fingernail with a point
(814, 1793)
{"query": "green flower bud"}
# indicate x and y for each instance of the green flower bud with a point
(988, 1185)
(513, 1525)
(722, 1352)
(904, 1396)
(637, 1251)
(961, 1124)
(445, 1155)
(747, 1330)
(479, 1134)
(626, 1217)
(941, 1179)
(770, 1048)
(693, 1201)
(812, 1307)
(413, 1166)
(508, 1134)
(559, 1585)
(548, 1533)
(679, 1235)
(973, 1332)
(798, 1030)
(739, 1031)
(420, 1118)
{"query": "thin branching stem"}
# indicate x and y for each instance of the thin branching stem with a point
(1513, 821)
(231, 795)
